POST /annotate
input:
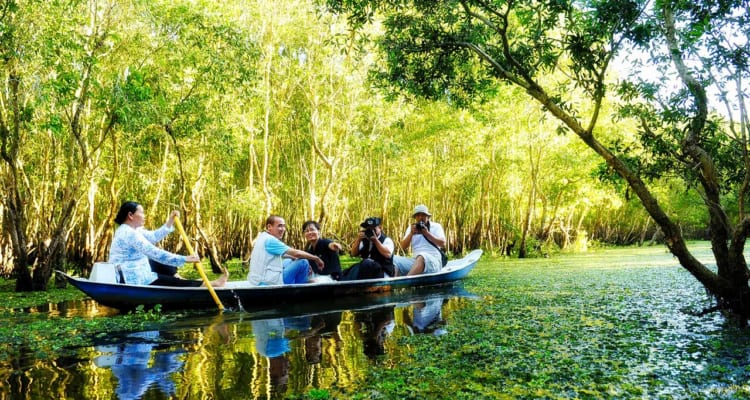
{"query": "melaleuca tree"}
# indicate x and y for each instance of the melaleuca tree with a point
(55, 116)
(561, 54)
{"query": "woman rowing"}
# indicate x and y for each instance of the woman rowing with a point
(131, 251)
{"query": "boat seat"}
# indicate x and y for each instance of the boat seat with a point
(103, 272)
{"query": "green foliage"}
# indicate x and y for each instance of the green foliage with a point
(19, 300)
(230, 111)
(560, 54)
(52, 338)
(318, 394)
(666, 117)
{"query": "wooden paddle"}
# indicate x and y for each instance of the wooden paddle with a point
(198, 265)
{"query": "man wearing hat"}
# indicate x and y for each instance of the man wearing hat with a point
(375, 249)
(424, 237)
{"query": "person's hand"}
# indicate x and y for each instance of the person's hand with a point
(170, 220)
(193, 258)
(336, 247)
(319, 262)
(427, 233)
(361, 235)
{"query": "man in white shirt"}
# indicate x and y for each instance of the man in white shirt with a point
(424, 237)
(267, 263)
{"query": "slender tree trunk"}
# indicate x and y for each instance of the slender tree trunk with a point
(91, 237)
(206, 241)
(161, 180)
(266, 134)
(527, 221)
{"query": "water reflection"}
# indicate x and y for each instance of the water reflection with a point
(335, 348)
(375, 326)
(427, 317)
(271, 342)
(73, 308)
(324, 327)
(139, 364)
(261, 353)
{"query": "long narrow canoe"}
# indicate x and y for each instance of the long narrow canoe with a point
(241, 293)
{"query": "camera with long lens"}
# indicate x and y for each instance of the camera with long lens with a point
(420, 226)
(369, 232)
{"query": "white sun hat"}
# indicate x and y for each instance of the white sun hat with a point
(421, 209)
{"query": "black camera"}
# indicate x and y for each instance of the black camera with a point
(369, 232)
(420, 226)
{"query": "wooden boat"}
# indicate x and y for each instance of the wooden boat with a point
(239, 293)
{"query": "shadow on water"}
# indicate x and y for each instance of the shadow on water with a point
(259, 353)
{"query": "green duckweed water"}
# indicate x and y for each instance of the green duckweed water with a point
(605, 324)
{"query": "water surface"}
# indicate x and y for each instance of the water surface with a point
(606, 324)
(259, 352)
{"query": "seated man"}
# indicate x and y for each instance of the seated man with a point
(376, 251)
(425, 238)
(267, 263)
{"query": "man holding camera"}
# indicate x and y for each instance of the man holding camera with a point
(426, 238)
(376, 251)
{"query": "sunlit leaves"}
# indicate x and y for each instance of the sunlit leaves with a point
(137, 87)
(258, 105)
(703, 27)
(422, 57)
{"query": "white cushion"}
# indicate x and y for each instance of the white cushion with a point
(103, 272)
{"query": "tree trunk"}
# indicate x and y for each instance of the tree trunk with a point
(534, 168)
(14, 223)
(527, 221)
(210, 246)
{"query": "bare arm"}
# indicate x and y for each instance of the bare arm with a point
(305, 255)
(439, 242)
(384, 251)
(406, 241)
(354, 249)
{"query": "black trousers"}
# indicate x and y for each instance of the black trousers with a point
(162, 269)
(171, 280)
(367, 269)
(167, 278)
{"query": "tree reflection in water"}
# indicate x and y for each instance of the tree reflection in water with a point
(247, 354)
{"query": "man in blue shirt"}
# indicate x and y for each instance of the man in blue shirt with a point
(274, 263)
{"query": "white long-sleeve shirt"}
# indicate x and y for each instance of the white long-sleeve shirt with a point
(132, 248)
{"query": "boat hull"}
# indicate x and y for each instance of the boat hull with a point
(241, 294)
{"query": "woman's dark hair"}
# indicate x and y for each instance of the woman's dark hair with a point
(125, 209)
(308, 223)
